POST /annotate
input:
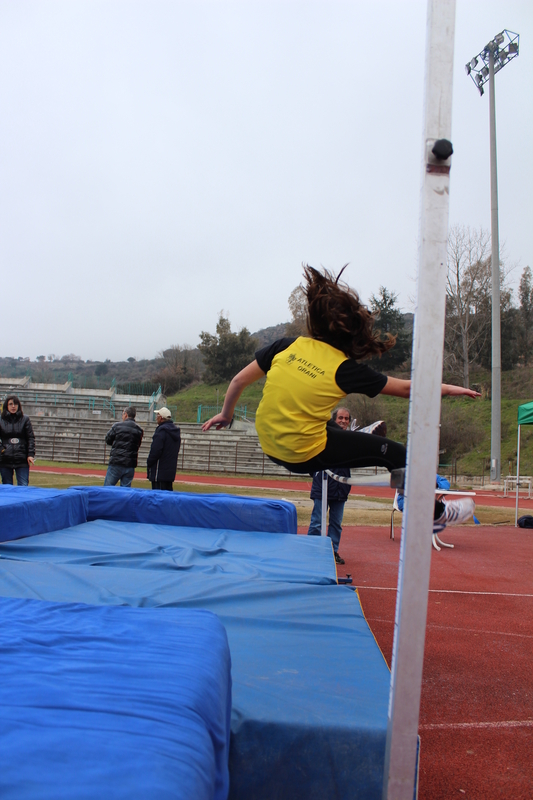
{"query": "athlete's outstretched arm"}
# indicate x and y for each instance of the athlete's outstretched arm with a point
(458, 391)
(244, 378)
(401, 388)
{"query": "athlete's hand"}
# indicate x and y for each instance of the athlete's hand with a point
(218, 421)
(459, 391)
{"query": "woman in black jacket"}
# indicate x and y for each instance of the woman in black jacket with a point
(18, 442)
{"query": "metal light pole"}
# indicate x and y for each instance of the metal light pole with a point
(482, 68)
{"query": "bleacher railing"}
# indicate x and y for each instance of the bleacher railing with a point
(108, 405)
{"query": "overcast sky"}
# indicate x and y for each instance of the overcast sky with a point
(163, 160)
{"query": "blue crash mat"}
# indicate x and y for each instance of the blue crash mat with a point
(310, 686)
(28, 510)
(140, 546)
(190, 510)
(112, 702)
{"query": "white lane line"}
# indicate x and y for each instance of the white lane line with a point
(510, 723)
(463, 630)
(446, 591)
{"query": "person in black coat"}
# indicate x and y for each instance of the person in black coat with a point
(337, 495)
(18, 442)
(162, 459)
(125, 439)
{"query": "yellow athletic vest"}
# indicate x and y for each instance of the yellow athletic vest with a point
(299, 395)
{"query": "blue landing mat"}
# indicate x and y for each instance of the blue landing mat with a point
(310, 686)
(190, 510)
(28, 510)
(113, 703)
(138, 546)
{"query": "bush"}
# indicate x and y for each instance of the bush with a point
(365, 409)
(459, 430)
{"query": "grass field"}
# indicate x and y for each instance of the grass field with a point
(360, 511)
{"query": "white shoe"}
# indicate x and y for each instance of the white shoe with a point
(455, 513)
(378, 428)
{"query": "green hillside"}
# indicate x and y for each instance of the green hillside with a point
(184, 404)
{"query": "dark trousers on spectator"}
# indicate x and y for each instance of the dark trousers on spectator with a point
(165, 485)
(22, 473)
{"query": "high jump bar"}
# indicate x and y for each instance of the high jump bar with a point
(393, 480)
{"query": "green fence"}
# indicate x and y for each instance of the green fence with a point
(146, 388)
(206, 412)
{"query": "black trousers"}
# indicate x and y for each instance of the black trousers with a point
(351, 449)
(166, 485)
(354, 449)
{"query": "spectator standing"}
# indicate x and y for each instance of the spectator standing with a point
(18, 442)
(337, 495)
(125, 439)
(163, 456)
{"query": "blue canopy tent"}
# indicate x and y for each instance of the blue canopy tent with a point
(525, 417)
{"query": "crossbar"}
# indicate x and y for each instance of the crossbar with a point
(393, 480)
(388, 480)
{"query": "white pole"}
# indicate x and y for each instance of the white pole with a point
(323, 522)
(424, 414)
(517, 477)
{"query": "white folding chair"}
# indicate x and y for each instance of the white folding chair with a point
(435, 541)
(394, 508)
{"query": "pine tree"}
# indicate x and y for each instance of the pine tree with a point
(225, 353)
(525, 329)
(389, 319)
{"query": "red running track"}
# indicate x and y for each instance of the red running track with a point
(476, 717)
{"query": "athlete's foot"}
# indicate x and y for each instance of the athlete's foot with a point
(378, 428)
(339, 559)
(455, 513)
(397, 479)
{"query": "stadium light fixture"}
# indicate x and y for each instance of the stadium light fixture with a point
(502, 49)
(482, 68)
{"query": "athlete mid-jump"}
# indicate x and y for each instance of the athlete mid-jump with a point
(307, 376)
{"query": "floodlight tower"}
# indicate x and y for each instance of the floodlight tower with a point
(482, 68)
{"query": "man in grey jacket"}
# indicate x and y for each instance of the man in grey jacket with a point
(125, 438)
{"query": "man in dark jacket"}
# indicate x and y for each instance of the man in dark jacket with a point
(337, 495)
(162, 459)
(125, 439)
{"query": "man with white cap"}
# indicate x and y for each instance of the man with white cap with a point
(163, 456)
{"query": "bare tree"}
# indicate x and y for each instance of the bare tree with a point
(298, 307)
(468, 307)
(181, 367)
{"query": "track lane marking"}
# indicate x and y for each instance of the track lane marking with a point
(448, 591)
(444, 726)
(453, 628)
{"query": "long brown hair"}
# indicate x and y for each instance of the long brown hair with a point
(335, 315)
